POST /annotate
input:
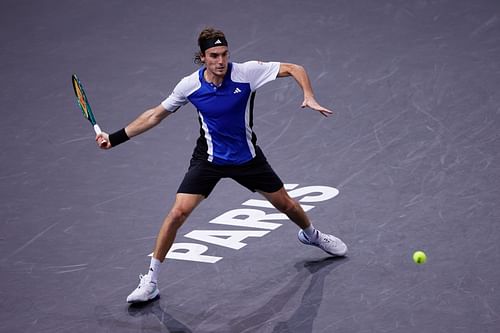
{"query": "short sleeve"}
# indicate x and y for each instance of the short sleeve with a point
(182, 90)
(258, 73)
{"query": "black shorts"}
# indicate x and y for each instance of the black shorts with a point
(255, 175)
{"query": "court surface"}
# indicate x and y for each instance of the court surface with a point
(413, 151)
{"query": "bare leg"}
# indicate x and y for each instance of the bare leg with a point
(183, 206)
(285, 204)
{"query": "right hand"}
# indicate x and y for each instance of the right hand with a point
(102, 140)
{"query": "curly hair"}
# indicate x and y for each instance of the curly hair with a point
(205, 34)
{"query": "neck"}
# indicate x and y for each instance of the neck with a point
(212, 78)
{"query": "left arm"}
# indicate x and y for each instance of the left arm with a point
(300, 75)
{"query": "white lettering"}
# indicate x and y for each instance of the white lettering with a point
(326, 193)
(233, 237)
(249, 218)
(193, 252)
(267, 204)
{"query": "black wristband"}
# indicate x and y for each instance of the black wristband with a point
(118, 137)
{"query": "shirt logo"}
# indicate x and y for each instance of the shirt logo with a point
(236, 91)
(218, 41)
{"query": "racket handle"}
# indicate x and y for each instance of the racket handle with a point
(97, 129)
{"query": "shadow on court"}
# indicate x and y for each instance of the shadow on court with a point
(310, 273)
(154, 308)
(309, 280)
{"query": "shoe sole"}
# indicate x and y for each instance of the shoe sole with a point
(154, 295)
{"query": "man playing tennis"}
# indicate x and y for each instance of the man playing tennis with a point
(223, 93)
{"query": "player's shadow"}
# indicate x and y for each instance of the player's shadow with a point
(109, 319)
(303, 317)
(153, 307)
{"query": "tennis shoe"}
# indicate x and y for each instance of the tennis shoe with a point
(145, 291)
(328, 243)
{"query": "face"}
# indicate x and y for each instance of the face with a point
(216, 60)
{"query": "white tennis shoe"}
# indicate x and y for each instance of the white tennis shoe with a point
(145, 291)
(328, 243)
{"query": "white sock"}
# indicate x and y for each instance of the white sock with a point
(310, 232)
(154, 269)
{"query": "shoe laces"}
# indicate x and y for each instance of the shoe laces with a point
(143, 281)
(328, 239)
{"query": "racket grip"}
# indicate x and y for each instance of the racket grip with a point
(97, 129)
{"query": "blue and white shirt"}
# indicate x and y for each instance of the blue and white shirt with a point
(225, 113)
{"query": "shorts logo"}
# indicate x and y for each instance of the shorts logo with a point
(236, 91)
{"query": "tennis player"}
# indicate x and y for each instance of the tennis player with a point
(223, 93)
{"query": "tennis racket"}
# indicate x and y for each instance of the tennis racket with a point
(84, 105)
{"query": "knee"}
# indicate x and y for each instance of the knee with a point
(177, 216)
(286, 205)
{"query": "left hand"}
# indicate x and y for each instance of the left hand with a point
(311, 103)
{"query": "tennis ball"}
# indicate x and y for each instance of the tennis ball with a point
(419, 257)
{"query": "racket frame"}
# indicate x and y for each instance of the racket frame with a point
(83, 103)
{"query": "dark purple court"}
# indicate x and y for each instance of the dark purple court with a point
(409, 161)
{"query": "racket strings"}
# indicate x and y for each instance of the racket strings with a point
(81, 99)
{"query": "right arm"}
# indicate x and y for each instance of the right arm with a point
(147, 120)
(152, 117)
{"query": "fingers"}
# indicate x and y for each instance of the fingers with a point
(326, 112)
(316, 107)
(102, 141)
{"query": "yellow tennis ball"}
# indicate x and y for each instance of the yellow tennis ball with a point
(419, 257)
